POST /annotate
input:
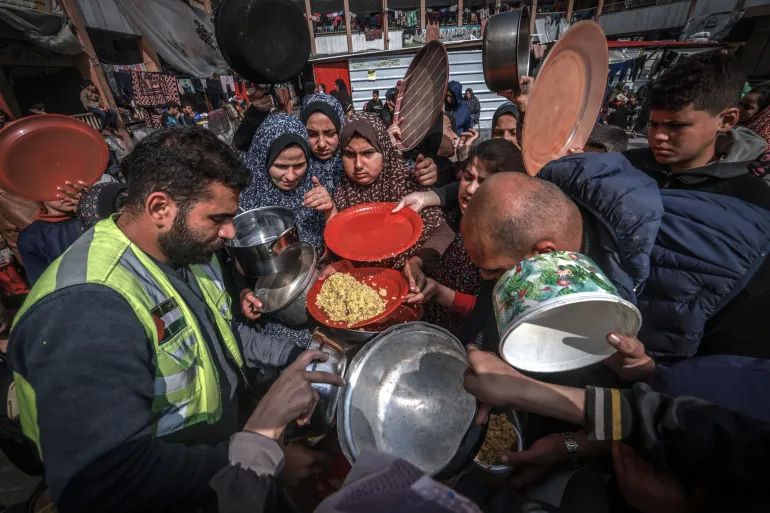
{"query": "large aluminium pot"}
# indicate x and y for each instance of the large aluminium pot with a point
(262, 236)
(265, 41)
(404, 396)
(506, 50)
(284, 294)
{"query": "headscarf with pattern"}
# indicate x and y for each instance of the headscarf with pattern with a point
(396, 180)
(261, 192)
(328, 105)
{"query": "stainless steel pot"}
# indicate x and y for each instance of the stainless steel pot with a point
(262, 235)
(506, 50)
(284, 294)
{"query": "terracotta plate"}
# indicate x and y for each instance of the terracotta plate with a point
(566, 97)
(370, 232)
(39, 153)
(422, 94)
(394, 283)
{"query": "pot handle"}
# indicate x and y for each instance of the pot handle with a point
(284, 240)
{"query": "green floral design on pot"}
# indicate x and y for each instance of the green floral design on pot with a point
(543, 277)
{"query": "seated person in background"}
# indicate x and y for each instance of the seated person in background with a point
(694, 141)
(606, 138)
(171, 116)
(374, 106)
(702, 258)
(92, 102)
(54, 230)
(376, 172)
(505, 123)
(454, 283)
(189, 116)
(390, 106)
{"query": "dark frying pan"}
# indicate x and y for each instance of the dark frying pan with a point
(506, 50)
(265, 41)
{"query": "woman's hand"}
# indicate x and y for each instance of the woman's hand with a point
(418, 201)
(70, 194)
(425, 171)
(394, 131)
(318, 198)
(522, 100)
(467, 140)
(426, 294)
(630, 363)
(339, 266)
(250, 305)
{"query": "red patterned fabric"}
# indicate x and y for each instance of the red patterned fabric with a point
(152, 89)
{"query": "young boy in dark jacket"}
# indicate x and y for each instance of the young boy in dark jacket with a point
(694, 141)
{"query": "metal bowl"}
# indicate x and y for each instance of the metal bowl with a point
(262, 236)
(506, 50)
(503, 469)
(405, 397)
(284, 294)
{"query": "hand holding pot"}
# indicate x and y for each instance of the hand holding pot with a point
(522, 100)
(250, 305)
(291, 397)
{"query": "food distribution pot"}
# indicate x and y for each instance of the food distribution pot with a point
(262, 236)
(284, 294)
(506, 50)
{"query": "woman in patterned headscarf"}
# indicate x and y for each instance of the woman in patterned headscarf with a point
(376, 172)
(324, 119)
(278, 160)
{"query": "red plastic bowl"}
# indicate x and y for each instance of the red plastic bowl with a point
(39, 153)
(370, 232)
(392, 281)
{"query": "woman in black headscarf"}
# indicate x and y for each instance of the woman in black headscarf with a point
(343, 96)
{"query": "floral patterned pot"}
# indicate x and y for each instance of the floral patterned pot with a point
(555, 310)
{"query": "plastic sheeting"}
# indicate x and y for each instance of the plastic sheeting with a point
(45, 31)
(171, 27)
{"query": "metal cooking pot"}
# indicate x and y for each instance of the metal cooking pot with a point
(265, 41)
(404, 396)
(506, 50)
(262, 235)
(284, 294)
(403, 314)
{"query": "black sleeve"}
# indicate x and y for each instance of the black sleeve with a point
(694, 440)
(33, 258)
(447, 195)
(248, 127)
(89, 362)
(242, 491)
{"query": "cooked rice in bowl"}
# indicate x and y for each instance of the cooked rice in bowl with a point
(345, 299)
(501, 438)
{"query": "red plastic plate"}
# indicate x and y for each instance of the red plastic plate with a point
(39, 153)
(392, 281)
(370, 232)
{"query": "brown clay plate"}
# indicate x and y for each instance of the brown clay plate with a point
(421, 97)
(566, 96)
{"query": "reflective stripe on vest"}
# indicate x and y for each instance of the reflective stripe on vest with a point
(186, 385)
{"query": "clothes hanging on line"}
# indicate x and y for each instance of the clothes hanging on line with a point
(152, 89)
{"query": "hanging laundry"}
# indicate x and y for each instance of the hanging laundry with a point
(185, 86)
(152, 89)
(228, 85)
(215, 92)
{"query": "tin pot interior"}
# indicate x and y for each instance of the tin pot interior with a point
(567, 333)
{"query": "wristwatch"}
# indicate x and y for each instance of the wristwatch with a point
(573, 449)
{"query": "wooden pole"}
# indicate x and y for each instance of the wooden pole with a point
(570, 8)
(385, 33)
(691, 11)
(422, 14)
(459, 13)
(533, 17)
(309, 16)
(346, 6)
(599, 8)
(72, 9)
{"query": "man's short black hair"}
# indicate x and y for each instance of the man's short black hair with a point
(608, 138)
(376, 91)
(182, 162)
(172, 105)
(710, 81)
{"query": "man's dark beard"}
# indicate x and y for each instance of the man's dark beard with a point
(182, 246)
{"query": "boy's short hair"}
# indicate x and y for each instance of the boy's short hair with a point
(710, 81)
(172, 105)
(376, 91)
(608, 138)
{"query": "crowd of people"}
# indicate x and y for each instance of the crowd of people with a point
(147, 378)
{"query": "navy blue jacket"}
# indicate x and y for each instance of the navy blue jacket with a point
(459, 109)
(42, 242)
(681, 256)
